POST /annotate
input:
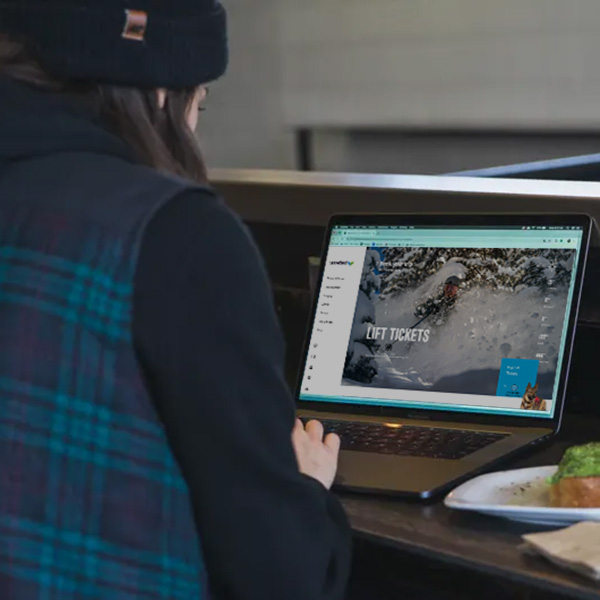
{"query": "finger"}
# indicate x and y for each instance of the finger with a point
(298, 431)
(315, 431)
(333, 442)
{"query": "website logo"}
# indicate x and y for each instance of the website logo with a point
(342, 262)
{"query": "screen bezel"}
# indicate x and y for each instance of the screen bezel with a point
(458, 220)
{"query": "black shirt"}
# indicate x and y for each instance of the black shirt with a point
(208, 339)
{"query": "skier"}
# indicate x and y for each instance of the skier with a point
(440, 305)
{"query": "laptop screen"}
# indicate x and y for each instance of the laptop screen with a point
(470, 319)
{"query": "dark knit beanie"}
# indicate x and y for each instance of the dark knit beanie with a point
(139, 43)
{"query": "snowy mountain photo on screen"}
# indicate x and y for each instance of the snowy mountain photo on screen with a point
(443, 319)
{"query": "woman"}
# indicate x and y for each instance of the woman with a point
(145, 431)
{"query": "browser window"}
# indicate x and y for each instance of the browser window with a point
(466, 319)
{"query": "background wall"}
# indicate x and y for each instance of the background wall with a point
(244, 125)
(407, 85)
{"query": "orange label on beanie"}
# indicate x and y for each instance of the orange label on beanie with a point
(136, 22)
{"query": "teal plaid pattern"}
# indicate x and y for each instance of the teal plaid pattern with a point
(92, 502)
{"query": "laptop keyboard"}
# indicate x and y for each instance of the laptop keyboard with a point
(408, 440)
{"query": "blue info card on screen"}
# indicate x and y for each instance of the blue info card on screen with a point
(515, 375)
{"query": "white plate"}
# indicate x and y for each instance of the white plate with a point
(520, 495)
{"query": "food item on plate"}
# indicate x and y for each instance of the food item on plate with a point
(576, 484)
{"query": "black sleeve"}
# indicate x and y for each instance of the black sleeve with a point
(207, 336)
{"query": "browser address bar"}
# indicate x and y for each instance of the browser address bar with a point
(489, 243)
(388, 234)
(438, 240)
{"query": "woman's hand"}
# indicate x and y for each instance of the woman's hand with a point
(317, 457)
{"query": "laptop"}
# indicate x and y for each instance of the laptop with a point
(440, 345)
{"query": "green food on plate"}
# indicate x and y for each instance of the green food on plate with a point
(579, 461)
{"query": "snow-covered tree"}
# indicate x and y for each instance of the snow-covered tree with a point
(498, 268)
(360, 361)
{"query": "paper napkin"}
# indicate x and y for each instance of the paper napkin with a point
(576, 548)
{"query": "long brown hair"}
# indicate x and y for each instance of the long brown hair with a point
(160, 137)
